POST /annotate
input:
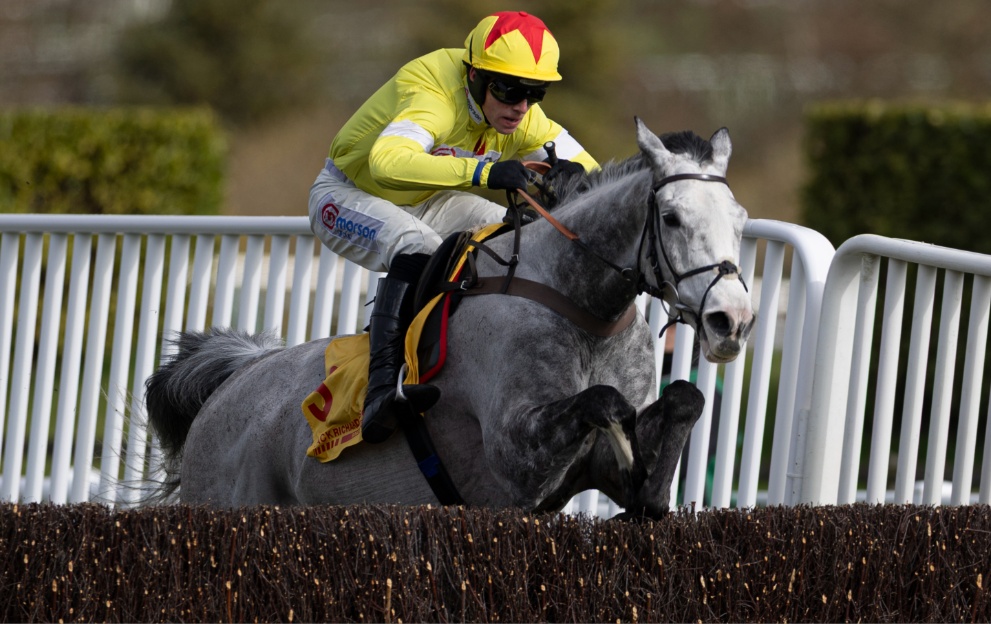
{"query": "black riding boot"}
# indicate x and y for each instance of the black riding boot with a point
(391, 315)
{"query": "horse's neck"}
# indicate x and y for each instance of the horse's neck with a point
(609, 223)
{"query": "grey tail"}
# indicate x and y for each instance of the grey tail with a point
(176, 392)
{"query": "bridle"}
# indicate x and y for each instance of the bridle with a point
(651, 235)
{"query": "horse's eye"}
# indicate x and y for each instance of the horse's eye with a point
(671, 219)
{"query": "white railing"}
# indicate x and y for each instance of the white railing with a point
(811, 254)
(150, 276)
(85, 301)
(830, 467)
(246, 283)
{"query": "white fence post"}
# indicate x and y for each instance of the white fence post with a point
(813, 255)
(977, 338)
(65, 423)
(144, 363)
(855, 261)
(44, 381)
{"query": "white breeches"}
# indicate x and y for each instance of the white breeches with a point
(371, 231)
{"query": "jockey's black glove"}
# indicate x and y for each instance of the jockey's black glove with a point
(509, 175)
(562, 171)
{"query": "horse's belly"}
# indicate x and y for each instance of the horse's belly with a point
(233, 458)
(248, 446)
(379, 474)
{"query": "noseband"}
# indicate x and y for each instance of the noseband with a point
(651, 235)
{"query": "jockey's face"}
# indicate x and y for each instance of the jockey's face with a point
(505, 118)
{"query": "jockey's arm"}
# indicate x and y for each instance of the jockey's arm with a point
(402, 163)
(401, 157)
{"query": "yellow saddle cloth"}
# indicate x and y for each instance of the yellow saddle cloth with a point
(334, 409)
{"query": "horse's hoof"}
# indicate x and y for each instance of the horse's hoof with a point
(682, 401)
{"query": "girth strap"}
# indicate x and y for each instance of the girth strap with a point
(422, 446)
(559, 303)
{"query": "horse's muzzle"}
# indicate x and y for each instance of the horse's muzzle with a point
(725, 334)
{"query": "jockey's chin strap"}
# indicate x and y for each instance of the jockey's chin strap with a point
(666, 291)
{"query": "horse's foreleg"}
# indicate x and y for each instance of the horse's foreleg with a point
(537, 447)
(663, 429)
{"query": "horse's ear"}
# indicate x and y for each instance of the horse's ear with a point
(650, 145)
(722, 147)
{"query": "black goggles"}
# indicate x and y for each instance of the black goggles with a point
(515, 93)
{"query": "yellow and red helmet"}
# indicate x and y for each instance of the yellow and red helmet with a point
(513, 43)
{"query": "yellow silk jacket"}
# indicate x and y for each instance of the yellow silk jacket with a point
(422, 132)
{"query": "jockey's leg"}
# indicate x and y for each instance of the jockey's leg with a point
(367, 230)
(448, 212)
(445, 213)
(391, 315)
(379, 236)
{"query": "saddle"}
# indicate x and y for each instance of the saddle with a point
(334, 409)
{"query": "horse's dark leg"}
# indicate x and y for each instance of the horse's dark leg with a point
(663, 428)
(538, 446)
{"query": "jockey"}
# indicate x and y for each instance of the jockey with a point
(392, 188)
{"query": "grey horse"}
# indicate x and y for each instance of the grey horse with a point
(534, 409)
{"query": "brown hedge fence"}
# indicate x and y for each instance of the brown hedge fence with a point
(181, 563)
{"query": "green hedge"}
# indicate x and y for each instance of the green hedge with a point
(915, 171)
(111, 161)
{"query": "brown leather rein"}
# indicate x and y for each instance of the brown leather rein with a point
(546, 215)
(564, 306)
(535, 291)
(651, 235)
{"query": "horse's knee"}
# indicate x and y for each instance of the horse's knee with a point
(605, 406)
(682, 402)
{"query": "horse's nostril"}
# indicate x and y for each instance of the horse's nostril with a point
(718, 323)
